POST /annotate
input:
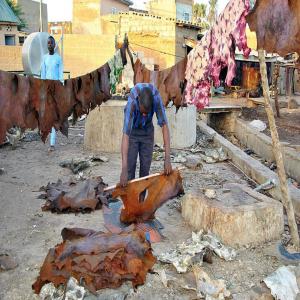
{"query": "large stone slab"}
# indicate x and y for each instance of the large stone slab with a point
(104, 127)
(238, 215)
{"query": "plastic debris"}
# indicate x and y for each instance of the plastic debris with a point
(283, 283)
(258, 125)
(192, 252)
(7, 262)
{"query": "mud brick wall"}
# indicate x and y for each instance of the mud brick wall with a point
(11, 58)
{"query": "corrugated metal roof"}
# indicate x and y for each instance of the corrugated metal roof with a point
(6, 13)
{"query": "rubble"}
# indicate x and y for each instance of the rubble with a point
(7, 262)
(193, 251)
(208, 288)
(75, 196)
(100, 260)
(283, 283)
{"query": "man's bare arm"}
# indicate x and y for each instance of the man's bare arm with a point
(166, 137)
(124, 152)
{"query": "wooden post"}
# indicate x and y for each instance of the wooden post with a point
(286, 199)
(275, 87)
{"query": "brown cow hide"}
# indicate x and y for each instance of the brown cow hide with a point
(82, 196)
(159, 190)
(29, 102)
(170, 82)
(277, 25)
(100, 260)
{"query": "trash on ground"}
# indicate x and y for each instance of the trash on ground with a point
(207, 288)
(7, 262)
(2, 171)
(75, 196)
(193, 162)
(142, 198)
(193, 250)
(100, 260)
(76, 165)
(210, 193)
(214, 155)
(283, 283)
(258, 125)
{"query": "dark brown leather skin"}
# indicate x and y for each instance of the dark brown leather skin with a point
(277, 25)
(169, 82)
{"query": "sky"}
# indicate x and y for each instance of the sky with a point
(61, 10)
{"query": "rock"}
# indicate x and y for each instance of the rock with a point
(2, 171)
(179, 159)
(293, 104)
(193, 162)
(7, 262)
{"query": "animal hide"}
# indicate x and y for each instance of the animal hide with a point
(277, 25)
(28, 102)
(100, 260)
(81, 196)
(170, 82)
(159, 190)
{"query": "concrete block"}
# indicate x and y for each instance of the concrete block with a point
(252, 167)
(104, 126)
(239, 216)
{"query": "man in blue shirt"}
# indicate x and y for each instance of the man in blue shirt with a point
(138, 131)
(52, 68)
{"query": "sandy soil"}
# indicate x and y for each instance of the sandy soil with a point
(27, 233)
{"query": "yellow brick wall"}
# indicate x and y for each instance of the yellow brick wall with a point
(11, 58)
(84, 53)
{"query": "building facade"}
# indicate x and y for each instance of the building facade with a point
(87, 14)
(31, 15)
(9, 34)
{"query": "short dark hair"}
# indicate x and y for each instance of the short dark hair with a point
(146, 98)
(52, 38)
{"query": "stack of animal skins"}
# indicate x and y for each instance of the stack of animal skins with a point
(99, 260)
(30, 103)
(277, 25)
(170, 82)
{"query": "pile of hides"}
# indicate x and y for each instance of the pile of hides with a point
(158, 190)
(192, 252)
(215, 51)
(80, 196)
(277, 27)
(28, 102)
(100, 260)
(169, 82)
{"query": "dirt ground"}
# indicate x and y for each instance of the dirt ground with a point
(288, 124)
(27, 233)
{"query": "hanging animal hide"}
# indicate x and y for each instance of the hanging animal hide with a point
(158, 190)
(99, 260)
(170, 82)
(277, 25)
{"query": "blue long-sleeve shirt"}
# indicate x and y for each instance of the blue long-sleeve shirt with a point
(52, 67)
(132, 115)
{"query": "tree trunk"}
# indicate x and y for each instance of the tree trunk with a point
(277, 150)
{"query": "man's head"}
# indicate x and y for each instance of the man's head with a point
(51, 44)
(145, 100)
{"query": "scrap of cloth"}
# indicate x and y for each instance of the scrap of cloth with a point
(100, 260)
(277, 25)
(169, 82)
(215, 51)
(159, 189)
(82, 196)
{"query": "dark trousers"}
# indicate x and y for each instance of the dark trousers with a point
(141, 143)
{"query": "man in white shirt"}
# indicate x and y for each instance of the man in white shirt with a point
(52, 68)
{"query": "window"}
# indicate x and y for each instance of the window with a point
(10, 40)
(186, 17)
(21, 40)
(113, 10)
